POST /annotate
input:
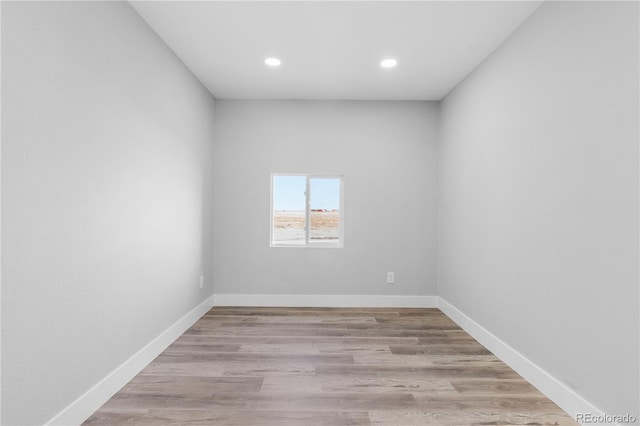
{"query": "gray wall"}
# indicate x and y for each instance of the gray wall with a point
(538, 219)
(106, 155)
(387, 154)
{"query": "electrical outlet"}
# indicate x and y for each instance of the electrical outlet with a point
(201, 281)
(390, 278)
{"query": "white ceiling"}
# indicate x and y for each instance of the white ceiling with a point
(332, 49)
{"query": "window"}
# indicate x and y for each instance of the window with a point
(306, 211)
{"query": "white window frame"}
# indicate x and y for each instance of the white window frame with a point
(307, 242)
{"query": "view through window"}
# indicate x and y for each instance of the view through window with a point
(306, 210)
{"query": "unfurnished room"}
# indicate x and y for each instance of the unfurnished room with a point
(320, 213)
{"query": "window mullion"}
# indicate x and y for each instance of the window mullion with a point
(307, 213)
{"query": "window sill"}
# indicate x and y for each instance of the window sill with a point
(310, 245)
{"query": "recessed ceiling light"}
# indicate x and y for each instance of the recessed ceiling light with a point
(388, 63)
(273, 62)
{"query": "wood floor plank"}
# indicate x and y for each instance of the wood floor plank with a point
(351, 384)
(318, 319)
(186, 348)
(467, 348)
(417, 371)
(202, 369)
(124, 400)
(314, 348)
(265, 418)
(301, 331)
(333, 401)
(255, 357)
(454, 360)
(486, 403)
(418, 418)
(389, 358)
(158, 417)
(288, 340)
(226, 369)
(494, 387)
(267, 369)
(327, 366)
(265, 401)
(194, 385)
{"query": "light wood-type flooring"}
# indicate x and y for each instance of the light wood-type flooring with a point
(327, 366)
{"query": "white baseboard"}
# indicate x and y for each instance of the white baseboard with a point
(79, 410)
(563, 396)
(325, 301)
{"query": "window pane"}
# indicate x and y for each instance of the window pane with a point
(289, 209)
(325, 209)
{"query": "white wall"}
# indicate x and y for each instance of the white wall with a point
(106, 152)
(538, 219)
(387, 154)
